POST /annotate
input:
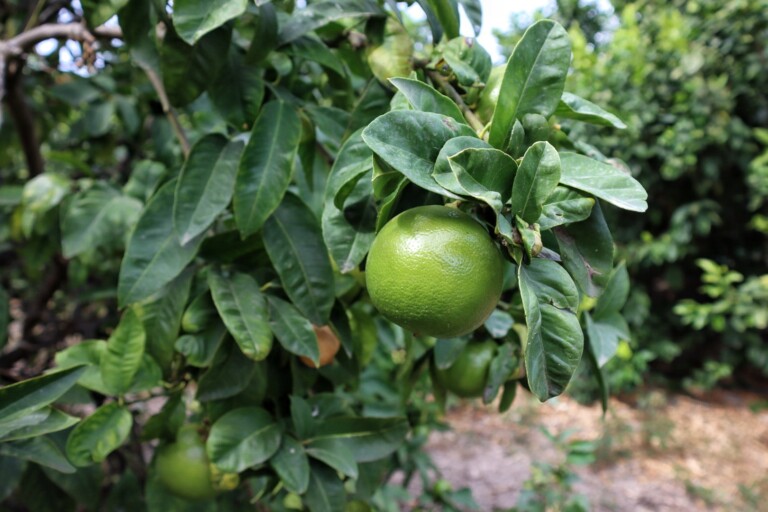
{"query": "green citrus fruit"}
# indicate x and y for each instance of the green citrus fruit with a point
(435, 271)
(183, 466)
(328, 343)
(486, 104)
(467, 375)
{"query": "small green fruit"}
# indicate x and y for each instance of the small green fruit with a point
(183, 467)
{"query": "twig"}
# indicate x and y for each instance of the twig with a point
(157, 83)
(75, 31)
(452, 93)
(23, 118)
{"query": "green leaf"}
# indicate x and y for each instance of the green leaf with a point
(368, 439)
(448, 350)
(161, 316)
(12, 470)
(266, 166)
(425, 98)
(301, 415)
(238, 91)
(447, 12)
(293, 331)
(291, 464)
(243, 308)
(605, 335)
(98, 12)
(319, 14)
(474, 11)
(503, 366)
(565, 206)
(93, 217)
(443, 171)
(555, 341)
(154, 256)
(54, 421)
(534, 79)
(334, 453)
(313, 49)
(469, 61)
(99, 434)
(604, 181)
(586, 249)
(205, 186)
(615, 294)
(326, 491)
(40, 450)
(243, 438)
(22, 398)
(193, 19)
(122, 358)
(230, 373)
(535, 180)
(410, 141)
(572, 106)
(83, 486)
(166, 423)
(201, 347)
(347, 243)
(486, 174)
(295, 246)
(41, 194)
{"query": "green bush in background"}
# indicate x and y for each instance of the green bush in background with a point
(689, 79)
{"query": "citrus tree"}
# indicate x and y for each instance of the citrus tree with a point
(191, 198)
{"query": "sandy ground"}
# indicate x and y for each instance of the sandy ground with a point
(660, 453)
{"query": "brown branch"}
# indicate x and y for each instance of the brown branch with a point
(452, 93)
(157, 83)
(23, 118)
(75, 31)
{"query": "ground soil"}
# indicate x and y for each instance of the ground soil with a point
(654, 452)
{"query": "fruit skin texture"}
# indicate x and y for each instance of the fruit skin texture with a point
(467, 375)
(435, 271)
(328, 343)
(183, 467)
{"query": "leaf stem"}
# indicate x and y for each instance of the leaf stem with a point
(452, 93)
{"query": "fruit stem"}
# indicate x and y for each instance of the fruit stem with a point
(452, 93)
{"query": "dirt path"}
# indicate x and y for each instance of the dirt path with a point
(664, 453)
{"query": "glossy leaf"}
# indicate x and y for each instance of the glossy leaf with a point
(369, 439)
(468, 60)
(555, 340)
(17, 400)
(40, 450)
(54, 421)
(193, 19)
(167, 422)
(313, 49)
(535, 180)
(200, 348)
(93, 217)
(586, 249)
(334, 453)
(326, 491)
(205, 185)
(291, 464)
(293, 331)
(443, 172)
(474, 11)
(447, 12)
(425, 98)
(448, 350)
(99, 434)
(503, 366)
(238, 91)
(243, 309)
(410, 142)
(154, 256)
(572, 106)
(604, 181)
(485, 174)
(295, 247)
(615, 294)
(266, 166)
(243, 438)
(605, 334)
(348, 243)
(125, 349)
(534, 79)
(161, 316)
(321, 13)
(565, 206)
(230, 373)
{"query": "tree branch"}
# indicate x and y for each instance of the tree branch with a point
(23, 118)
(452, 93)
(75, 31)
(157, 83)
